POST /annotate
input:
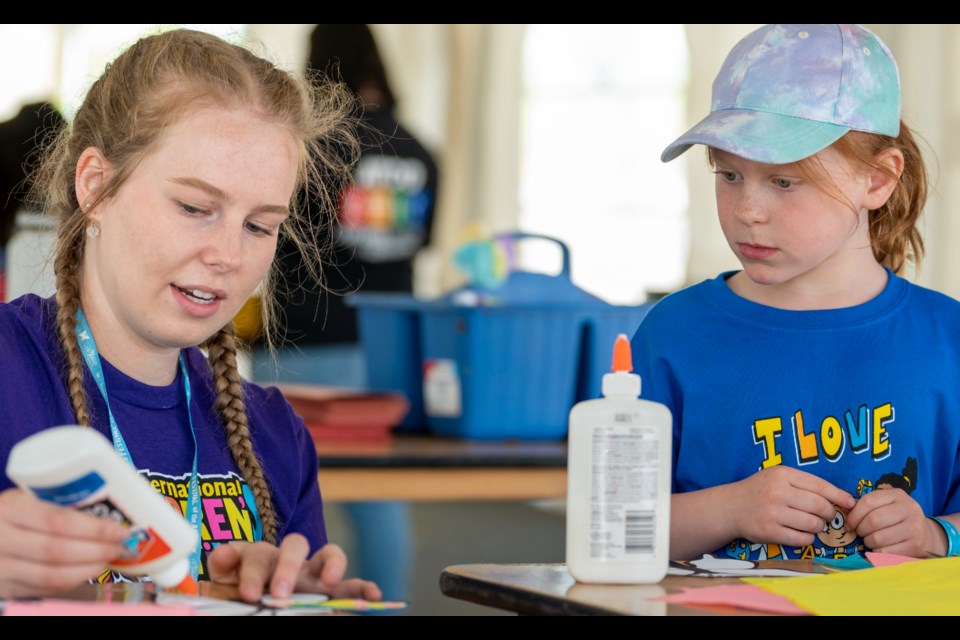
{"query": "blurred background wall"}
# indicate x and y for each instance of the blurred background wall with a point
(555, 129)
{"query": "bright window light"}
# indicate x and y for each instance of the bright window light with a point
(599, 104)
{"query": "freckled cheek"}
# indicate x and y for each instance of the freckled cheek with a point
(122, 252)
(141, 236)
(726, 207)
(815, 239)
(259, 264)
(726, 219)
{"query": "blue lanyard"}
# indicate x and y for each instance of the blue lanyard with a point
(92, 357)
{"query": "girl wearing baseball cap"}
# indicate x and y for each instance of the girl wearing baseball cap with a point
(800, 380)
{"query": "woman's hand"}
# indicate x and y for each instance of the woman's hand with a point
(251, 566)
(47, 549)
(889, 520)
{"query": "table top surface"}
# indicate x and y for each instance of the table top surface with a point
(144, 599)
(549, 589)
(416, 450)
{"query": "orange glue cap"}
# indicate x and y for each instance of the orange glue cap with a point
(622, 357)
(188, 586)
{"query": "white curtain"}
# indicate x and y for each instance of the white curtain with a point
(929, 57)
(460, 89)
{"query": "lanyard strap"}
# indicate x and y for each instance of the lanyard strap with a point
(92, 357)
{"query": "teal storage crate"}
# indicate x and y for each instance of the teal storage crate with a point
(494, 363)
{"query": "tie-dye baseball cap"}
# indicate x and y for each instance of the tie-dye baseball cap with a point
(787, 91)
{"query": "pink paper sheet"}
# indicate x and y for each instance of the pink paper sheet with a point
(878, 559)
(741, 596)
(54, 607)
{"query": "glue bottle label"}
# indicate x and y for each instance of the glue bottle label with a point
(623, 491)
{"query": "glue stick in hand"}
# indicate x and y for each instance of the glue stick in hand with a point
(77, 466)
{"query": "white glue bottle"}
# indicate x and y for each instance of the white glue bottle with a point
(618, 482)
(78, 467)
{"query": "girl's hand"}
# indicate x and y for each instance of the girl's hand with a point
(251, 566)
(889, 520)
(46, 549)
(783, 505)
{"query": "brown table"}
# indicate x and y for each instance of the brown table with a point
(425, 467)
(549, 590)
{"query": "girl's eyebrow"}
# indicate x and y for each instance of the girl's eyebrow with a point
(219, 194)
(203, 185)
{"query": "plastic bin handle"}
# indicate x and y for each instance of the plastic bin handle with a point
(564, 249)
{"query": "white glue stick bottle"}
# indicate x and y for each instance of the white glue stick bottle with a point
(618, 482)
(78, 467)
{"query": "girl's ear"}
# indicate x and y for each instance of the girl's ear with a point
(93, 171)
(882, 183)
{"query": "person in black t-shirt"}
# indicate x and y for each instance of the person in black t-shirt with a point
(386, 215)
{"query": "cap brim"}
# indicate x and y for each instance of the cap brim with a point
(759, 136)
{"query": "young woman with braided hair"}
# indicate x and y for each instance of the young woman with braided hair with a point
(187, 160)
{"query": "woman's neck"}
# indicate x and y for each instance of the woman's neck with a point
(127, 351)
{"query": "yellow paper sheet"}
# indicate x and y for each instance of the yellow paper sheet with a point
(930, 587)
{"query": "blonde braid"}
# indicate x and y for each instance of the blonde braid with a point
(222, 356)
(68, 256)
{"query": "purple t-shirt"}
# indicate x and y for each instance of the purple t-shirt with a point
(155, 426)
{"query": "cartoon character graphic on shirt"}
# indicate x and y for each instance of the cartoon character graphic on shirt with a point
(835, 540)
(906, 480)
(768, 551)
(808, 439)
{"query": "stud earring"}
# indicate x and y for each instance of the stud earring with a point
(93, 230)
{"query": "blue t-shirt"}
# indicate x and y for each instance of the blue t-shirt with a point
(155, 426)
(866, 397)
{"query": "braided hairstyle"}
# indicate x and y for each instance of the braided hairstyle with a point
(152, 84)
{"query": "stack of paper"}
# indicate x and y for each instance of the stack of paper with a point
(332, 413)
(892, 585)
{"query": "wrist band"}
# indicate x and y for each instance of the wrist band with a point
(953, 536)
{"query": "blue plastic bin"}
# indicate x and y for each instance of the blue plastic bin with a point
(389, 328)
(600, 330)
(494, 363)
(504, 373)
